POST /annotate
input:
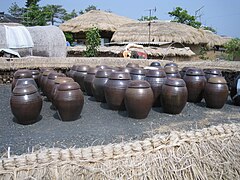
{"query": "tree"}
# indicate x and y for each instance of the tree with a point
(147, 18)
(209, 29)
(70, 15)
(233, 49)
(54, 13)
(89, 8)
(92, 42)
(15, 10)
(180, 15)
(31, 2)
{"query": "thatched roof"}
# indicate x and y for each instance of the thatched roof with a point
(102, 20)
(214, 39)
(160, 32)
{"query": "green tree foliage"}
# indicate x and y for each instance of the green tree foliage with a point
(70, 15)
(31, 2)
(15, 10)
(69, 37)
(233, 48)
(147, 18)
(54, 13)
(89, 8)
(210, 29)
(180, 15)
(92, 42)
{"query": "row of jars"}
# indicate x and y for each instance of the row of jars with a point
(101, 83)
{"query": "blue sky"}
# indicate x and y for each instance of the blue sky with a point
(222, 15)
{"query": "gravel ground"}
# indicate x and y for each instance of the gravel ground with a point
(99, 125)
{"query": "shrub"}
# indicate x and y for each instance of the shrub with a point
(92, 42)
(233, 49)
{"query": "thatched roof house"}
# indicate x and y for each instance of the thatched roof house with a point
(106, 22)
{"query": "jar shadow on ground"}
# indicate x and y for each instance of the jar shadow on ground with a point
(37, 120)
(92, 99)
(56, 116)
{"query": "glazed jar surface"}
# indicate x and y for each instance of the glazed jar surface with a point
(171, 64)
(137, 74)
(69, 101)
(88, 81)
(184, 70)
(26, 81)
(26, 104)
(41, 75)
(138, 99)
(216, 92)
(212, 73)
(172, 72)
(155, 64)
(132, 65)
(174, 96)
(80, 74)
(101, 78)
(35, 76)
(44, 80)
(72, 70)
(19, 74)
(156, 79)
(195, 81)
(115, 90)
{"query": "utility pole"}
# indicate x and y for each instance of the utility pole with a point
(149, 23)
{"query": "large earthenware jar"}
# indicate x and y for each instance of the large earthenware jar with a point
(195, 81)
(19, 74)
(35, 76)
(41, 75)
(80, 74)
(69, 101)
(126, 69)
(216, 92)
(155, 64)
(184, 70)
(26, 104)
(57, 82)
(138, 99)
(50, 84)
(156, 79)
(88, 80)
(115, 90)
(138, 74)
(235, 91)
(44, 80)
(172, 72)
(132, 65)
(72, 70)
(174, 95)
(99, 82)
(171, 64)
(212, 73)
(26, 81)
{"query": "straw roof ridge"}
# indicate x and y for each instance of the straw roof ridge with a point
(159, 32)
(95, 18)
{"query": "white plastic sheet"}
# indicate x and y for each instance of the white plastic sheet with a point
(18, 37)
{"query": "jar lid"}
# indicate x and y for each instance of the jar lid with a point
(68, 86)
(103, 73)
(24, 89)
(35, 72)
(177, 82)
(45, 69)
(47, 72)
(217, 80)
(126, 69)
(120, 76)
(194, 72)
(23, 73)
(54, 75)
(92, 70)
(184, 69)
(74, 67)
(102, 67)
(171, 64)
(83, 68)
(139, 71)
(139, 84)
(155, 63)
(133, 65)
(213, 71)
(60, 80)
(171, 69)
(156, 73)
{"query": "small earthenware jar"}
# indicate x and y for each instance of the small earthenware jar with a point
(26, 103)
(171, 64)
(88, 80)
(41, 75)
(115, 90)
(155, 64)
(216, 92)
(138, 74)
(172, 72)
(174, 95)
(35, 76)
(132, 65)
(138, 99)
(80, 74)
(26, 81)
(19, 74)
(156, 79)
(212, 73)
(69, 101)
(195, 81)
(184, 70)
(72, 70)
(44, 80)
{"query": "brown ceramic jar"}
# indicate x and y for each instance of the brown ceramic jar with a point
(138, 74)
(212, 73)
(235, 91)
(155, 64)
(132, 65)
(72, 70)
(174, 95)
(184, 70)
(195, 81)
(80, 74)
(171, 64)
(19, 74)
(103, 66)
(44, 80)
(216, 92)
(69, 101)
(41, 75)
(156, 79)
(115, 90)
(26, 104)
(138, 99)
(126, 69)
(57, 82)
(50, 84)
(88, 80)
(172, 72)
(26, 81)
(99, 82)
(35, 76)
